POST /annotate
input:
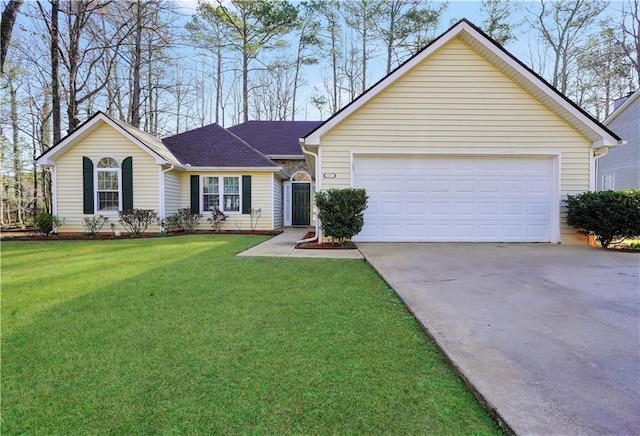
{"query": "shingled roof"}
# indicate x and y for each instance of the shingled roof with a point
(215, 146)
(275, 138)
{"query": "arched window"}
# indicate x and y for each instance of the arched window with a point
(108, 192)
(300, 176)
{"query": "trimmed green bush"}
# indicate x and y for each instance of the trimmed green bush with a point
(341, 212)
(611, 216)
(45, 223)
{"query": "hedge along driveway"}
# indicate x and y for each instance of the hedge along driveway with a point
(179, 335)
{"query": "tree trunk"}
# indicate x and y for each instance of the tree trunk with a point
(17, 158)
(245, 87)
(9, 15)
(55, 75)
(134, 104)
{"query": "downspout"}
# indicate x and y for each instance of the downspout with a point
(593, 182)
(162, 195)
(317, 233)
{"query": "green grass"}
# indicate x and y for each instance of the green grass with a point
(177, 335)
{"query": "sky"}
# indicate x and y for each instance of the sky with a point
(524, 48)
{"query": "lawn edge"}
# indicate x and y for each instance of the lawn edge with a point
(493, 412)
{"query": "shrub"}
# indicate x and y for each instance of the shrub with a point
(45, 223)
(217, 219)
(254, 216)
(609, 215)
(136, 221)
(184, 219)
(341, 212)
(94, 224)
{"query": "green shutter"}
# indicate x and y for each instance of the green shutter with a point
(127, 184)
(246, 194)
(195, 194)
(87, 185)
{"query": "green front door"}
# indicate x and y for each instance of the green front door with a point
(301, 213)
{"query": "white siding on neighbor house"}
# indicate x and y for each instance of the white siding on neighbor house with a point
(173, 192)
(261, 198)
(623, 162)
(278, 217)
(456, 103)
(103, 142)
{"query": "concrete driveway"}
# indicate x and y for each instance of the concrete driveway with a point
(548, 335)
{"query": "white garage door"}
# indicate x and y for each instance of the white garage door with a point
(418, 198)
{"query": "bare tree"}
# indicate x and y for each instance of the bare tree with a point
(399, 22)
(16, 149)
(206, 31)
(497, 20)
(361, 16)
(9, 16)
(255, 25)
(629, 38)
(329, 11)
(307, 34)
(564, 26)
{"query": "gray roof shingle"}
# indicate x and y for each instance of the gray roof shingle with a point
(215, 146)
(275, 138)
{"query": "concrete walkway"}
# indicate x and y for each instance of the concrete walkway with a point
(547, 335)
(284, 245)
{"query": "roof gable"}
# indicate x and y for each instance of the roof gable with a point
(500, 59)
(148, 143)
(623, 107)
(275, 138)
(215, 146)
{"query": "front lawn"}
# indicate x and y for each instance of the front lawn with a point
(177, 335)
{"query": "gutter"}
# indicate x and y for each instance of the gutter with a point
(317, 234)
(597, 154)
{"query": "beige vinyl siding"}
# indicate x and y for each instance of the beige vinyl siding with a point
(278, 216)
(261, 198)
(173, 192)
(455, 102)
(103, 142)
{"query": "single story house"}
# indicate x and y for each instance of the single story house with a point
(462, 142)
(620, 167)
(106, 166)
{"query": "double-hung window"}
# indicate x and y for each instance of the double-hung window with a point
(221, 193)
(108, 185)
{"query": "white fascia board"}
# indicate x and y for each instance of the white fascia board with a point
(285, 156)
(230, 169)
(48, 158)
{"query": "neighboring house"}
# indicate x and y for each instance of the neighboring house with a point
(620, 167)
(106, 166)
(462, 142)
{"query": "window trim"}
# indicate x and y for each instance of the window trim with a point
(605, 177)
(221, 193)
(96, 189)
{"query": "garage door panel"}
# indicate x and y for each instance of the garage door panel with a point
(452, 198)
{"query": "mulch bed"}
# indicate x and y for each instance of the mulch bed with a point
(30, 235)
(348, 245)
